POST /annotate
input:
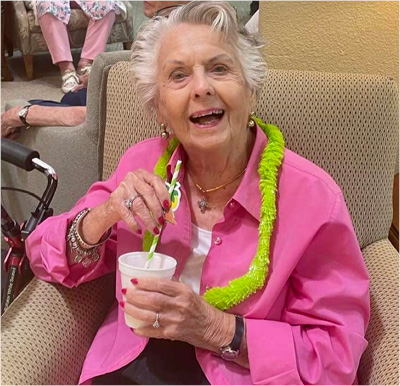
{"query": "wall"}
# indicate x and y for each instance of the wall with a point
(336, 36)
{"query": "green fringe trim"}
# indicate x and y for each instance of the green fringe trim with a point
(161, 170)
(241, 288)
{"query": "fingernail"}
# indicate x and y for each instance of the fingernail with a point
(123, 290)
(122, 303)
(166, 204)
(156, 230)
(134, 281)
(161, 220)
(139, 231)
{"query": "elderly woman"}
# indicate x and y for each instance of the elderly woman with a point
(270, 287)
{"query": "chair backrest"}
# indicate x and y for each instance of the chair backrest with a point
(345, 123)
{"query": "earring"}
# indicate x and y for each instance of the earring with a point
(251, 122)
(164, 132)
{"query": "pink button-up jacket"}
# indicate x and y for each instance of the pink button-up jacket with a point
(306, 326)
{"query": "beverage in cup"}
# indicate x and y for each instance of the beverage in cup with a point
(133, 265)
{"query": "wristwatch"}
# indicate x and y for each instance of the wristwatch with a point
(231, 352)
(22, 115)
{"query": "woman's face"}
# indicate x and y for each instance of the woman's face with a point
(202, 94)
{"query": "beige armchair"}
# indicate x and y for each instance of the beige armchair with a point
(346, 123)
(28, 37)
(78, 165)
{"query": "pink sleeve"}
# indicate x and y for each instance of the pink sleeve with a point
(46, 246)
(320, 338)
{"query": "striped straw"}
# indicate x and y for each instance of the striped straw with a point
(170, 190)
(175, 176)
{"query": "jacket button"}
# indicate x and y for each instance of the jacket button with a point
(232, 205)
(218, 241)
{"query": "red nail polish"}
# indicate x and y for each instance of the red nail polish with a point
(122, 303)
(166, 204)
(139, 231)
(156, 231)
(161, 220)
(123, 290)
(134, 281)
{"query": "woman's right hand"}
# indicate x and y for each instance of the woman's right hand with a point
(151, 199)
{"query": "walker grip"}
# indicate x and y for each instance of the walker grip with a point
(17, 154)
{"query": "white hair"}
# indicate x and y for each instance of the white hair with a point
(221, 16)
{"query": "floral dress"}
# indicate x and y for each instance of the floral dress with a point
(94, 9)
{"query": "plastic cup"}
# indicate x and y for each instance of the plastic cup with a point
(132, 265)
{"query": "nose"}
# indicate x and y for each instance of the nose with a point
(201, 85)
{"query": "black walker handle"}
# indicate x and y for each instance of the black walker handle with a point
(17, 154)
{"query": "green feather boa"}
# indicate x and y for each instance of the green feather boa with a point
(242, 287)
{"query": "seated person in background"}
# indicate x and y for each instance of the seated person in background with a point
(53, 17)
(50, 113)
(154, 8)
(255, 219)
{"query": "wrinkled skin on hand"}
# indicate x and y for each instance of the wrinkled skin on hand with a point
(11, 123)
(83, 82)
(183, 315)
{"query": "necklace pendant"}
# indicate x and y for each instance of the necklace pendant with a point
(203, 204)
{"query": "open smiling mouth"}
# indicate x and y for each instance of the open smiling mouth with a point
(207, 119)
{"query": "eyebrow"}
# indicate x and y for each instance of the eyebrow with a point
(221, 57)
(212, 60)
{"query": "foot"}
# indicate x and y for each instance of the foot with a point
(69, 81)
(84, 70)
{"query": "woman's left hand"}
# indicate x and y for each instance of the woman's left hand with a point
(183, 315)
(10, 123)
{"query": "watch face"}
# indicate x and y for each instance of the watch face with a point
(229, 355)
(22, 112)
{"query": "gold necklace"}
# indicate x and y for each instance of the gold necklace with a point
(203, 203)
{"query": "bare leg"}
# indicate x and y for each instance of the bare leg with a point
(65, 66)
(83, 63)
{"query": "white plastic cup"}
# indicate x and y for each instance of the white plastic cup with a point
(132, 265)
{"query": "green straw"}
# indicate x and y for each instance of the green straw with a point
(170, 190)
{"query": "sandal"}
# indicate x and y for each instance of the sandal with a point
(69, 81)
(84, 70)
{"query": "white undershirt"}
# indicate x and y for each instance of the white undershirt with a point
(201, 244)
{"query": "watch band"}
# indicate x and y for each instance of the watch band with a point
(239, 330)
(22, 116)
(231, 352)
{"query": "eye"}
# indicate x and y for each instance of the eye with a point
(178, 76)
(220, 69)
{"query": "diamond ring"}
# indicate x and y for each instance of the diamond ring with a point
(156, 323)
(128, 202)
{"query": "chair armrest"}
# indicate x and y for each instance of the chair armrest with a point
(97, 96)
(47, 331)
(71, 151)
(380, 363)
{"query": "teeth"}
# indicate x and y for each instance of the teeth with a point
(209, 113)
